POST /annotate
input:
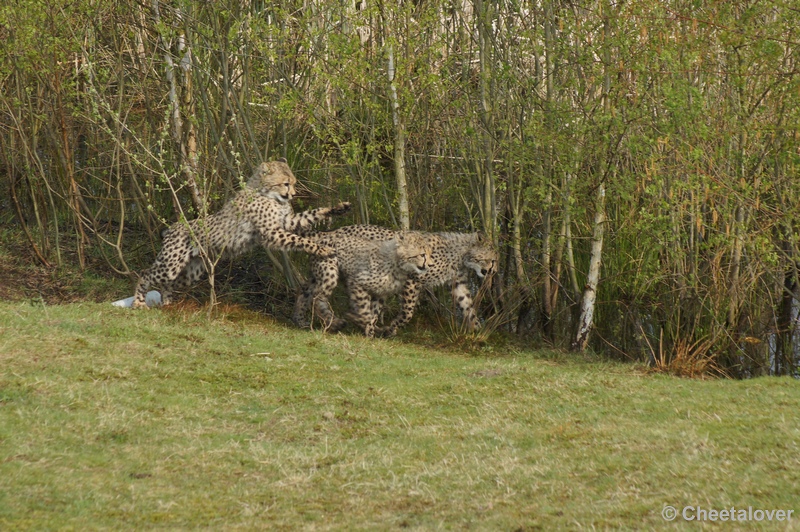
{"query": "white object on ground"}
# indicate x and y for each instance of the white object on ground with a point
(153, 299)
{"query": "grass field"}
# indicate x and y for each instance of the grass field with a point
(120, 419)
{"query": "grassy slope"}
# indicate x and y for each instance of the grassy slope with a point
(111, 418)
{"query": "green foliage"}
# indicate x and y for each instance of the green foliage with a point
(687, 114)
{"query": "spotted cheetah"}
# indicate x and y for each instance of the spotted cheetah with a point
(258, 214)
(372, 270)
(453, 256)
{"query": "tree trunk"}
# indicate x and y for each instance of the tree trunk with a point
(190, 160)
(784, 340)
(573, 277)
(399, 148)
(66, 154)
(484, 24)
(547, 282)
(586, 319)
(178, 135)
(736, 261)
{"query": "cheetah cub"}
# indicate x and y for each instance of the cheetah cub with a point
(258, 214)
(453, 257)
(371, 271)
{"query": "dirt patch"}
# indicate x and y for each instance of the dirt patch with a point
(488, 373)
(23, 277)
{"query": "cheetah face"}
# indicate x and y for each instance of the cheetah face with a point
(275, 180)
(481, 259)
(412, 253)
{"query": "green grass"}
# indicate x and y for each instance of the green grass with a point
(112, 418)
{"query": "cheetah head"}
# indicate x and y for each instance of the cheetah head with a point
(482, 258)
(413, 253)
(275, 180)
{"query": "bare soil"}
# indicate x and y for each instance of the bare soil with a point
(21, 278)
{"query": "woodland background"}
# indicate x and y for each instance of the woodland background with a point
(636, 162)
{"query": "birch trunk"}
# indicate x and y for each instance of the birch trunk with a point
(399, 148)
(586, 319)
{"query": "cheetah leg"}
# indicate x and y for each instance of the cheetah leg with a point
(408, 303)
(280, 239)
(304, 221)
(361, 310)
(189, 276)
(463, 298)
(378, 306)
(324, 277)
(160, 275)
(302, 305)
(145, 280)
(328, 276)
(171, 262)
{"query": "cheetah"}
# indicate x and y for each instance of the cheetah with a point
(261, 213)
(453, 256)
(372, 270)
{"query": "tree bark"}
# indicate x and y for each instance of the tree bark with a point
(188, 165)
(547, 281)
(399, 147)
(484, 24)
(586, 320)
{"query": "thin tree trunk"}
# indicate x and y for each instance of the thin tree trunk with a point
(190, 166)
(75, 198)
(518, 207)
(557, 265)
(175, 111)
(547, 282)
(399, 147)
(547, 285)
(573, 277)
(18, 210)
(484, 24)
(736, 261)
(586, 320)
(784, 352)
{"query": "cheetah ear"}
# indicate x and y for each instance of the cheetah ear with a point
(282, 160)
(481, 237)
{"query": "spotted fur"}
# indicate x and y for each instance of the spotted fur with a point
(371, 269)
(260, 214)
(453, 256)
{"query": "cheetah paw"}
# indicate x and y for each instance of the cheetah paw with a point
(342, 208)
(386, 332)
(326, 252)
